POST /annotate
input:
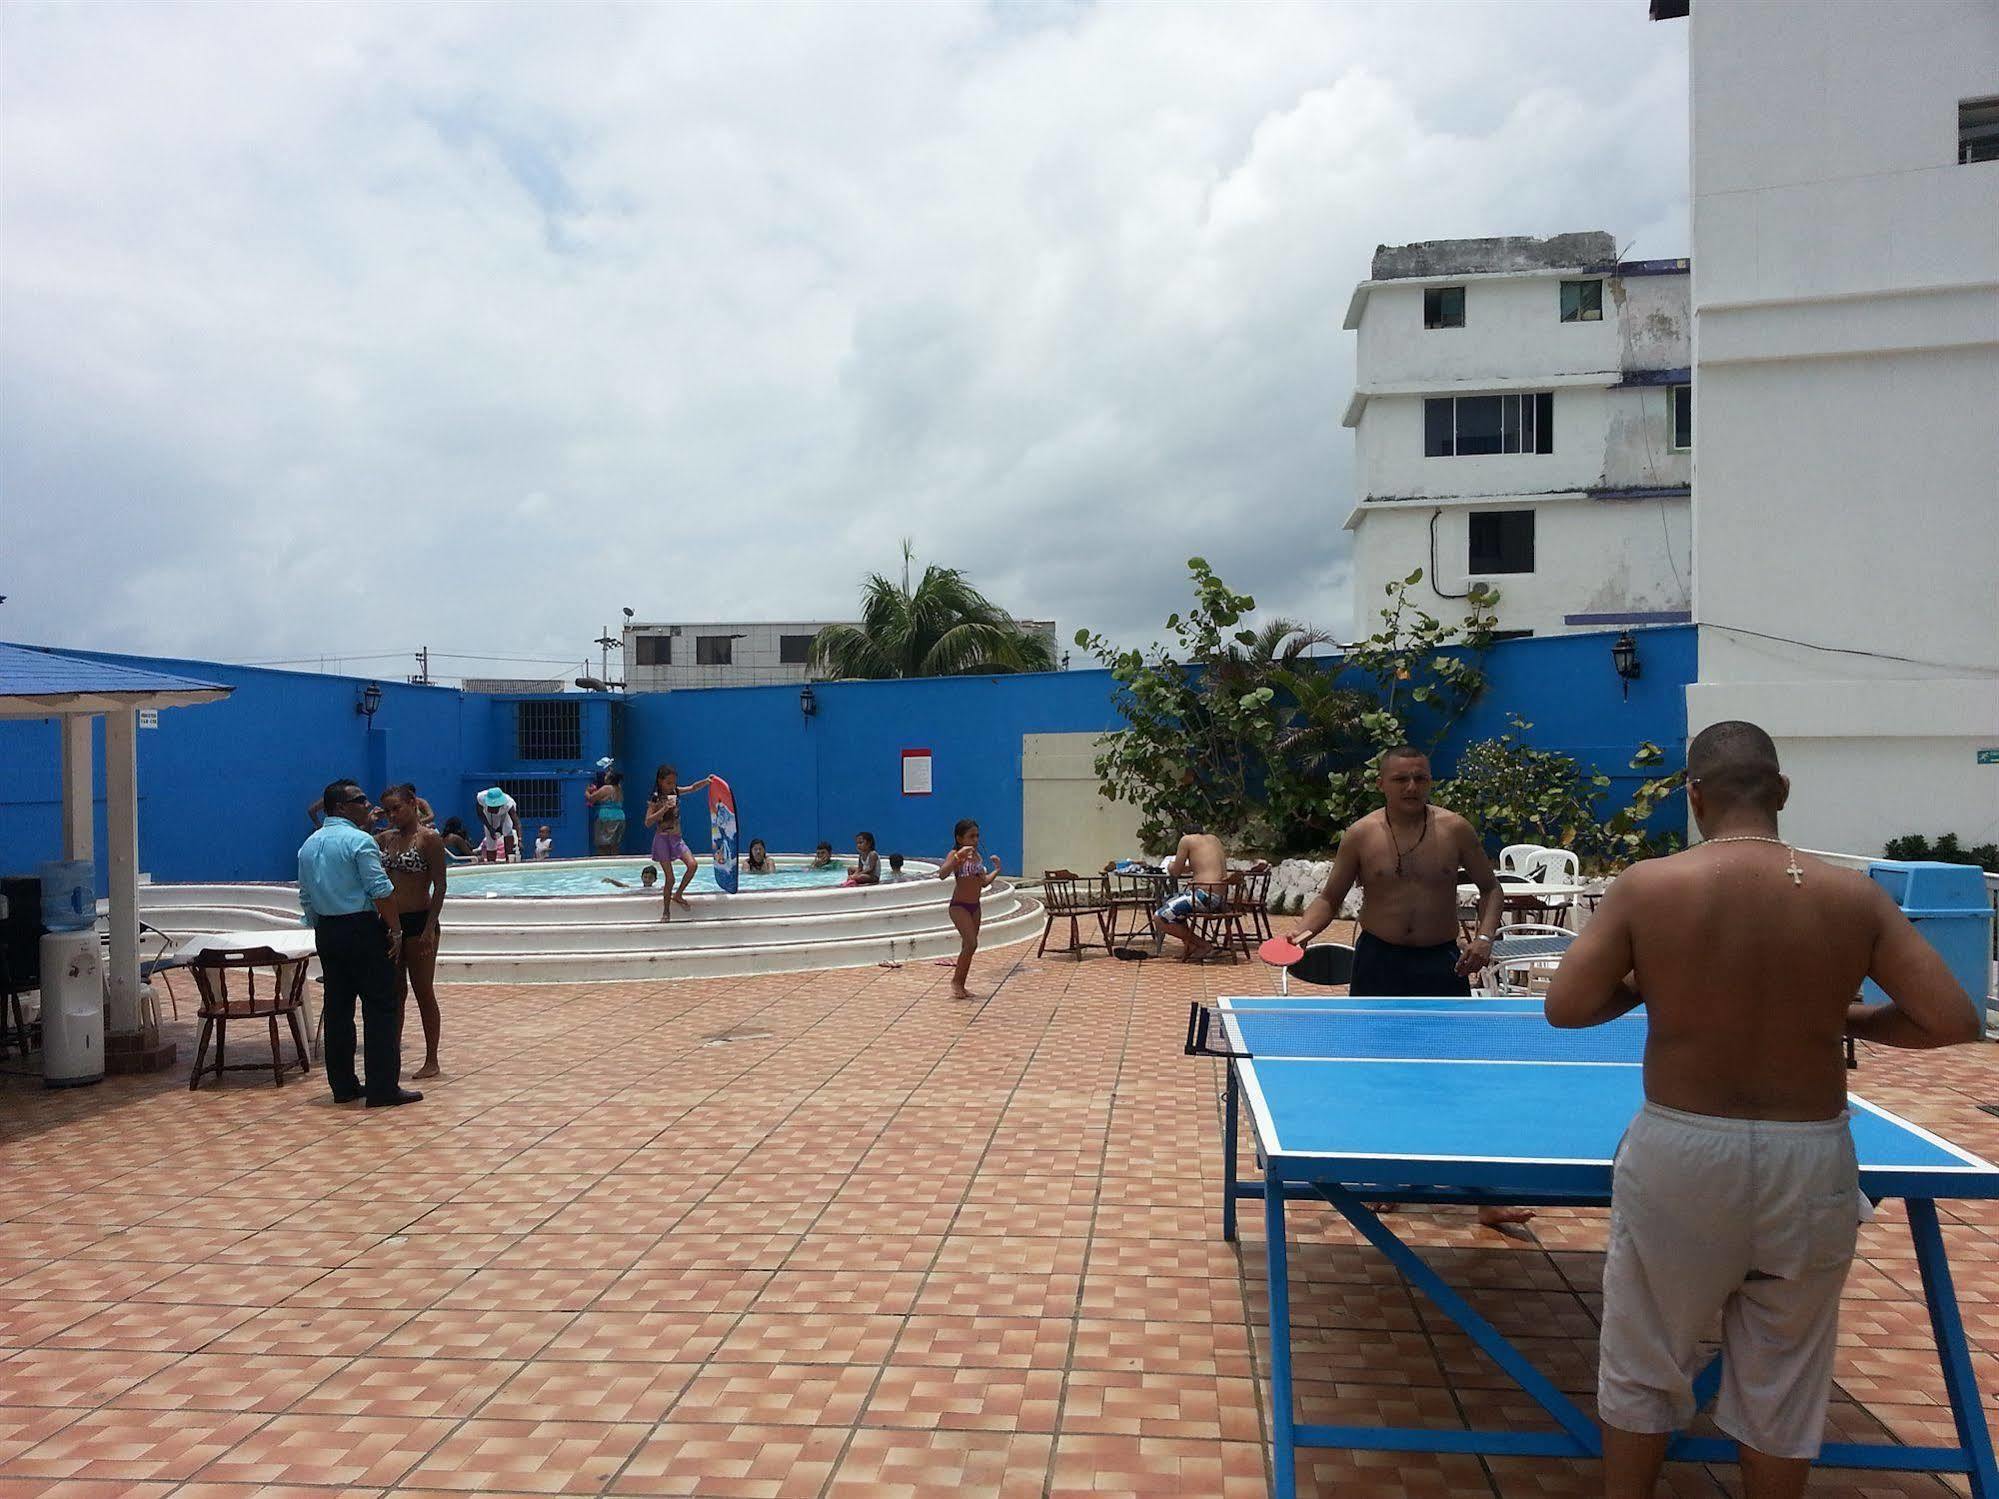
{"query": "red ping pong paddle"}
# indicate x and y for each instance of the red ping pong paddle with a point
(1280, 953)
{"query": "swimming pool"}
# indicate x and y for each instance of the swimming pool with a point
(558, 922)
(595, 876)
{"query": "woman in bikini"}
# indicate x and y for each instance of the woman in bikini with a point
(965, 866)
(414, 856)
(758, 860)
(663, 817)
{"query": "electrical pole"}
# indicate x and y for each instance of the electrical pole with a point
(605, 642)
(422, 667)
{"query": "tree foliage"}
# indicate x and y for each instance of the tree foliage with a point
(1513, 792)
(1238, 729)
(942, 627)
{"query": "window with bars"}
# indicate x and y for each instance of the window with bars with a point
(548, 730)
(714, 650)
(539, 801)
(653, 650)
(794, 650)
(1443, 307)
(1466, 426)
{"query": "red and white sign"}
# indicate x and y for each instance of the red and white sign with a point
(916, 772)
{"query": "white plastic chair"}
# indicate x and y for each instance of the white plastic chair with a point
(1513, 858)
(1555, 866)
(1517, 978)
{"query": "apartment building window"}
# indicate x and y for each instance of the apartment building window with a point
(1682, 398)
(794, 650)
(1582, 301)
(1443, 307)
(714, 650)
(1466, 426)
(1978, 129)
(654, 650)
(548, 731)
(1512, 634)
(1502, 541)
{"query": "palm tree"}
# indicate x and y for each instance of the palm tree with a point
(943, 627)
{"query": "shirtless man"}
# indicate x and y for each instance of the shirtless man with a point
(1202, 864)
(1406, 859)
(1736, 1190)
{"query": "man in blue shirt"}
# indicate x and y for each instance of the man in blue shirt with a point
(347, 900)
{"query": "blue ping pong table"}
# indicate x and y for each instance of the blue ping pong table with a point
(1481, 1101)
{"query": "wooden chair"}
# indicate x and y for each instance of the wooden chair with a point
(1068, 896)
(1132, 898)
(1246, 920)
(1218, 918)
(284, 996)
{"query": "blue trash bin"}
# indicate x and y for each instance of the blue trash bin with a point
(1947, 903)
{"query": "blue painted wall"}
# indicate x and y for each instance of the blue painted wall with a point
(1566, 687)
(223, 787)
(799, 779)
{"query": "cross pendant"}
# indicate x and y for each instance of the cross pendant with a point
(1797, 875)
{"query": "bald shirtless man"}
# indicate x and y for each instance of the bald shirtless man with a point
(1406, 859)
(1202, 864)
(1736, 1189)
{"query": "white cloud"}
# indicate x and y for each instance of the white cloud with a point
(699, 309)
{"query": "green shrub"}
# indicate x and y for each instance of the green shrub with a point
(1946, 850)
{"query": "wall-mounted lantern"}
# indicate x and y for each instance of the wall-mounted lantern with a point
(1624, 656)
(807, 703)
(369, 701)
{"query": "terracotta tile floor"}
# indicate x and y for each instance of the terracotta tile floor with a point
(826, 1235)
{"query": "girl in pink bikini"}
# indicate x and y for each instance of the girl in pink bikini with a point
(964, 865)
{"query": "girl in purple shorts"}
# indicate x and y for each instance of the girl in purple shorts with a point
(668, 844)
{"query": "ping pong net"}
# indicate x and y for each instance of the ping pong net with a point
(1467, 1033)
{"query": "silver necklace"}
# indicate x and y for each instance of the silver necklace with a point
(1797, 875)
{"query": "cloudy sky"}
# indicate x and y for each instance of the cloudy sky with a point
(340, 329)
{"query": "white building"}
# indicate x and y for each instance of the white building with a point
(659, 656)
(1846, 299)
(1521, 418)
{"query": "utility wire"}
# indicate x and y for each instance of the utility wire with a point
(1846, 650)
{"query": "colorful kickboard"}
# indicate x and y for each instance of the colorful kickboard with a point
(722, 822)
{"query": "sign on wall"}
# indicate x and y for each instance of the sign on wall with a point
(149, 718)
(916, 772)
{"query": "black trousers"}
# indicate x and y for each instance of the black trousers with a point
(1388, 970)
(354, 961)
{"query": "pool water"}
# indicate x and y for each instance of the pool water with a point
(471, 881)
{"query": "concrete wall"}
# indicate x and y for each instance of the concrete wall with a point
(1065, 823)
(1513, 328)
(1592, 557)
(1847, 299)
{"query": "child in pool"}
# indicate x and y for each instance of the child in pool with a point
(967, 869)
(758, 861)
(648, 877)
(894, 868)
(868, 863)
(544, 844)
(822, 857)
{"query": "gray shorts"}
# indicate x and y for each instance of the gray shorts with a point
(1753, 1221)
